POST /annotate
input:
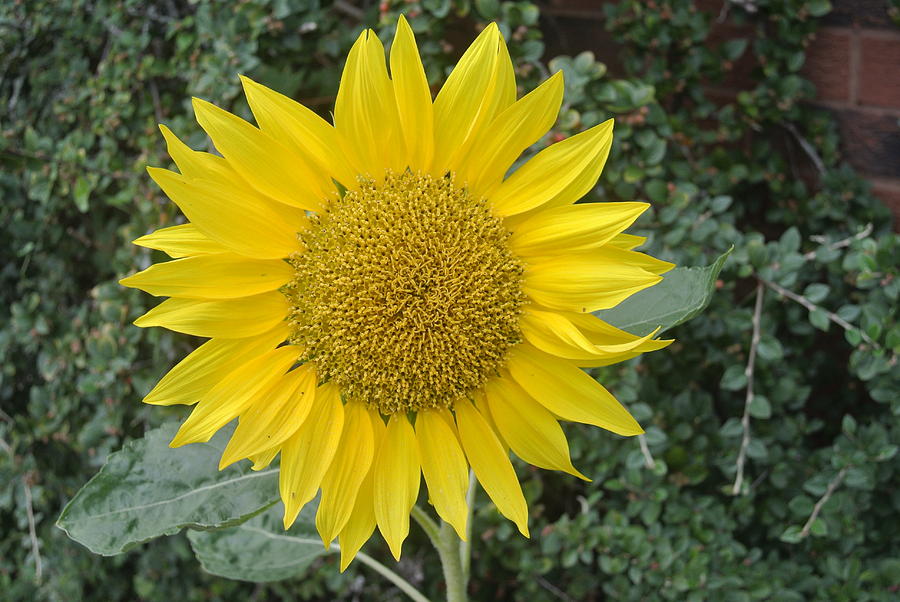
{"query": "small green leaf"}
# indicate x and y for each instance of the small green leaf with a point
(734, 378)
(816, 292)
(260, 549)
(792, 535)
(760, 407)
(147, 489)
(818, 8)
(81, 193)
(819, 319)
(682, 294)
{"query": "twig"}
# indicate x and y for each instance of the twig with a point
(553, 589)
(813, 307)
(7, 448)
(648, 457)
(348, 9)
(808, 148)
(748, 372)
(32, 533)
(846, 242)
(835, 482)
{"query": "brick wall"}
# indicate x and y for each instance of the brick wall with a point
(854, 63)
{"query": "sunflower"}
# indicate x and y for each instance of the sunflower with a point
(384, 299)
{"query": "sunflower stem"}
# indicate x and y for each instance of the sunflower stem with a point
(448, 546)
(401, 583)
(451, 561)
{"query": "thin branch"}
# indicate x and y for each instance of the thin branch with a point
(834, 484)
(7, 448)
(808, 148)
(813, 307)
(553, 589)
(645, 449)
(748, 372)
(32, 533)
(846, 242)
(345, 7)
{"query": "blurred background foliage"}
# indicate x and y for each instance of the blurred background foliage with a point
(83, 84)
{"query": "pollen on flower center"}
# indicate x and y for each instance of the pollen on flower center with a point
(406, 293)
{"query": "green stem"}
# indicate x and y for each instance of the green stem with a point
(451, 562)
(447, 544)
(393, 577)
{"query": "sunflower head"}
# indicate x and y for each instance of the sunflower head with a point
(385, 298)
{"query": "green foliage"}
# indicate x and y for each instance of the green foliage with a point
(84, 85)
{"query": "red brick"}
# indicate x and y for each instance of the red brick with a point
(589, 8)
(889, 193)
(828, 64)
(865, 13)
(870, 141)
(879, 80)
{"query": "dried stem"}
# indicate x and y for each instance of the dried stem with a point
(645, 449)
(846, 242)
(32, 533)
(808, 148)
(748, 372)
(813, 307)
(834, 484)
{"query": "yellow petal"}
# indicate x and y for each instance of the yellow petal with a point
(305, 132)
(242, 221)
(233, 394)
(531, 431)
(347, 471)
(306, 455)
(266, 164)
(554, 333)
(365, 112)
(275, 414)
(573, 227)
(474, 93)
(568, 392)
(584, 282)
(444, 466)
(180, 241)
(199, 165)
(626, 241)
(220, 276)
(396, 481)
(558, 175)
(262, 460)
(413, 96)
(491, 464)
(362, 520)
(199, 372)
(228, 319)
(502, 141)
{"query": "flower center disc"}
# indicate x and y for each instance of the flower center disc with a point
(406, 295)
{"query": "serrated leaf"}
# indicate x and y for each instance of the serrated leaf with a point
(682, 295)
(260, 550)
(147, 490)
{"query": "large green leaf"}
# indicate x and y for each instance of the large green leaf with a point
(682, 294)
(260, 549)
(147, 489)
